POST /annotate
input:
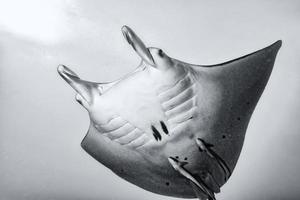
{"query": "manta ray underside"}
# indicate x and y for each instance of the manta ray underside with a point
(170, 127)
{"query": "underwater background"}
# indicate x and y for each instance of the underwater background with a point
(42, 125)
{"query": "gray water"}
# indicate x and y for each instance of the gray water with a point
(42, 125)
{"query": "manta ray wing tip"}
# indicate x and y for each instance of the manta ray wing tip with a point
(278, 42)
(276, 45)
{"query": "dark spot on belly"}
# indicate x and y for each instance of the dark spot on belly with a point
(177, 157)
(160, 53)
(164, 127)
(156, 133)
(185, 158)
(167, 183)
(223, 136)
(238, 118)
(247, 102)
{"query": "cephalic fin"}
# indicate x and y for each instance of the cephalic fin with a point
(82, 101)
(85, 89)
(138, 45)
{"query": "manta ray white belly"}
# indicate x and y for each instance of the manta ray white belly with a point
(171, 127)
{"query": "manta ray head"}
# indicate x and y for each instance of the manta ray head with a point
(171, 127)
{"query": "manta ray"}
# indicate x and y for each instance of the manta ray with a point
(171, 127)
